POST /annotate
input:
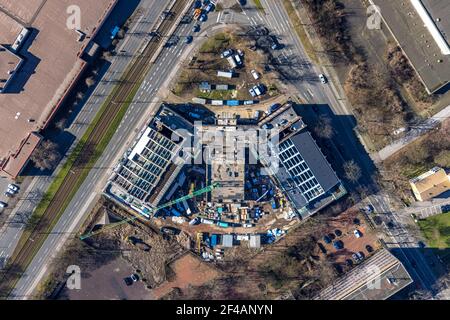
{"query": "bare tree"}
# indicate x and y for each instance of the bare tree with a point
(323, 128)
(61, 124)
(46, 155)
(352, 171)
(90, 81)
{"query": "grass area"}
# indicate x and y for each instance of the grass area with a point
(301, 33)
(216, 94)
(259, 5)
(436, 230)
(216, 44)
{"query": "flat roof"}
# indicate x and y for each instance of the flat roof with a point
(439, 10)
(51, 62)
(9, 66)
(416, 40)
(377, 278)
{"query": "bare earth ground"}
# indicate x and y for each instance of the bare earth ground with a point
(189, 271)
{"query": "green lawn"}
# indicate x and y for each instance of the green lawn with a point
(436, 230)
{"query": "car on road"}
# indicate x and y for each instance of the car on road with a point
(13, 187)
(322, 78)
(210, 7)
(274, 44)
(338, 244)
(357, 233)
(326, 239)
(203, 17)
(196, 28)
(3, 204)
(188, 39)
(338, 268)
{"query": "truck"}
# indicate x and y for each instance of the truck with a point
(225, 74)
(223, 224)
(232, 62)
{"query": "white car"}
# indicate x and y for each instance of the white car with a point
(3, 205)
(247, 225)
(255, 74)
(13, 187)
(357, 233)
(322, 78)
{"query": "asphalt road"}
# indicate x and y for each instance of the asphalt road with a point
(32, 196)
(403, 240)
(139, 111)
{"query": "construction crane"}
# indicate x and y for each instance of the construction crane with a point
(165, 205)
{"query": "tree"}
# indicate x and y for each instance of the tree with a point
(90, 81)
(323, 128)
(352, 171)
(443, 159)
(46, 155)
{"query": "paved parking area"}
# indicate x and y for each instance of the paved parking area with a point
(3, 186)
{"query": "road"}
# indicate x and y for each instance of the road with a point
(414, 134)
(139, 112)
(30, 197)
(395, 226)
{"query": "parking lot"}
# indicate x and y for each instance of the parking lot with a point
(3, 187)
(341, 244)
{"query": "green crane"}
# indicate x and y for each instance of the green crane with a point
(165, 205)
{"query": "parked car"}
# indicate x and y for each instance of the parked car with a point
(356, 222)
(209, 7)
(267, 126)
(188, 39)
(357, 233)
(332, 236)
(349, 262)
(226, 53)
(322, 248)
(274, 107)
(9, 194)
(378, 221)
(356, 257)
(421, 244)
(13, 187)
(369, 248)
(247, 225)
(326, 239)
(274, 44)
(255, 74)
(128, 281)
(3, 204)
(196, 28)
(369, 208)
(322, 78)
(203, 17)
(338, 244)
(338, 232)
(134, 277)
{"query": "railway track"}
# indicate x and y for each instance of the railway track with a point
(115, 102)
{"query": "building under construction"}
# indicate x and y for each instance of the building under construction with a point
(151, 165)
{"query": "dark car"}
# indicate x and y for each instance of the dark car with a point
(170, 231)
(274, 107)
(274, 44)
(369, 248)
(338, 268)
(445, 208)
(338, 232)
(242, 2)
(356, 221)
(196, 28)
(338, 244)
(327, 239)
(128, 281)
(322, 248)
(390, 225)
(421, 244)
(361, 255)
(332, 236)
(377, 220)
(188, 39)
(349, 262)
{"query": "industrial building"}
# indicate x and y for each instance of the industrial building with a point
(41, 58)
(421, 28)
(150, 167)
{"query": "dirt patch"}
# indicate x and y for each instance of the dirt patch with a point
(187, 271)
(204, 65)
